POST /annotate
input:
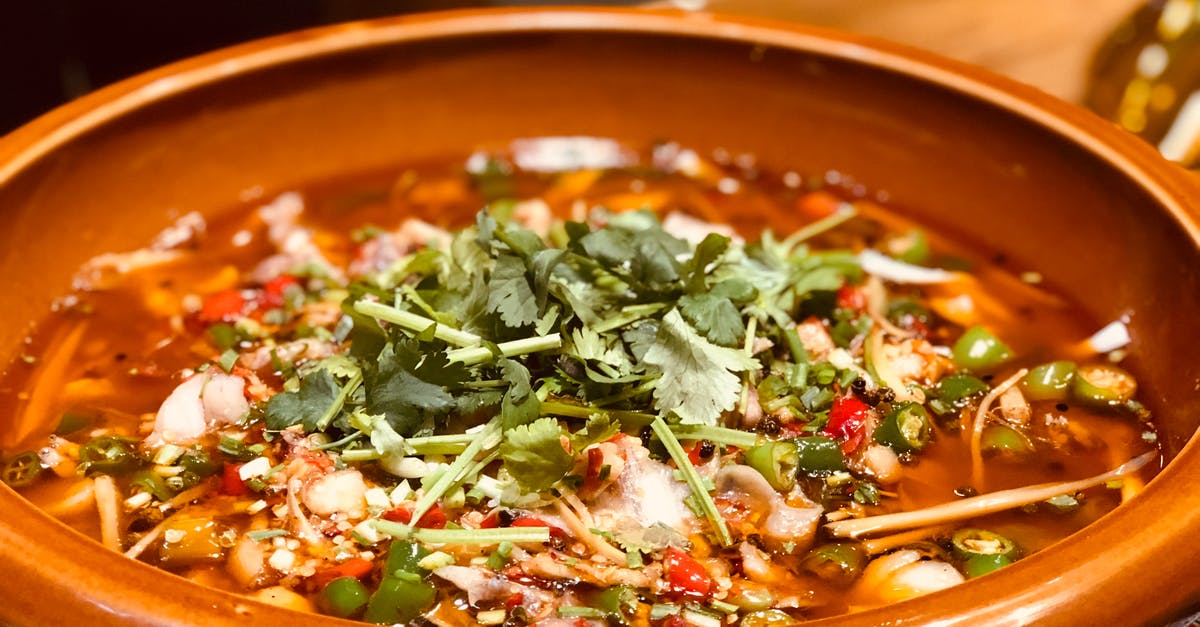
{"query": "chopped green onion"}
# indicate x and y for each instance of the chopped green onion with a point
(579, 611)
(717, 435)
(228, 359)
(481, 354)
(263, 534)
(694, 481)
(414, 322)
(515, 535)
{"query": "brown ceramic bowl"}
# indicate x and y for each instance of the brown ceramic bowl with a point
(1097, 211)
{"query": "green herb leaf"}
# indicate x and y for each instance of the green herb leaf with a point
(715, 317)
(509, 293)
(698, 381)
(520, 405)
(534, 455)
(309, 404)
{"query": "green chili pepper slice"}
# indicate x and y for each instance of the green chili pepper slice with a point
(152, 483)
(767, 618)
(982, 551)
(1049, 382)
(199, 463)
(618, 603)
(819, 455)
(953, 392)
(108, 454)
(72, 422)
(905, 429)
(22, 470)
(978, 349)
(776, 461)
(913, 247)
(344, 597)
(1004, 440)
(1103, 385)
(839, 563)
(403, 592)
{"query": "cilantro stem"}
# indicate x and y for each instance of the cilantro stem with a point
(414, 322)
(476, 355)
(462, 536)
(432, 445)
(486, 437)
(627, 315)
(339, 401)
(558, 408)
(693, 479)
(844, 212)
(717, 435)
(647, 386)
(337, 443)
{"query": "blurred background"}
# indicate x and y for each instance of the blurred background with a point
(1127, 59)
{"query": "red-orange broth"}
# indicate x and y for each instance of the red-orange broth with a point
(112, 350)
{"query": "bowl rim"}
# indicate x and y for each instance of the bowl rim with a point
(1166, 183)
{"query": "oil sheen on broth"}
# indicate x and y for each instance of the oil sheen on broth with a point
(627, 413)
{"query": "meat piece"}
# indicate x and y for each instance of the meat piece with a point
(547, 566)
(815, 338)
(479, 584)
(199, 403)
(646, 492)
(341, 492)
(781, 522)
(288, 352)
(903, 575)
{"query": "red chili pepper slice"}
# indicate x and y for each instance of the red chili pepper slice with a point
(816, 205)
(595, 462)
(687, 577)
(435, 518)
(273, 294)
(847, 421)
(356, 567)
(852, 298)
(530, 521)
(226, 306)
(231, 481)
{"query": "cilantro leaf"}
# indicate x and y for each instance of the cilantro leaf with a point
(509, 293)
(698, 381)
(714, 316)
(534, 455)
(520, 405)
(307, 405)
(395, 391)
(707, 251)
(599, 428)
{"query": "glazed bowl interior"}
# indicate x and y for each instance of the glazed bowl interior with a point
(1054, 188)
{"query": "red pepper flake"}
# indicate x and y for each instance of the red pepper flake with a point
(514, 600)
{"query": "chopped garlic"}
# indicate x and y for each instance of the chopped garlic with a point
(256, 467)
(282, 560)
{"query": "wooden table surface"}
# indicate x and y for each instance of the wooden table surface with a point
(1046, 43)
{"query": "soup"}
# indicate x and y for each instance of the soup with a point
(608, 396)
